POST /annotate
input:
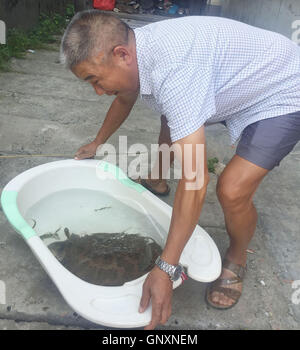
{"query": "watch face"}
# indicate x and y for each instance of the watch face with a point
(177, 273)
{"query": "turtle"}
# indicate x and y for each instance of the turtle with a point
(106, 259)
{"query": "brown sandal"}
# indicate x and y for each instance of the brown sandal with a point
(151, 189)
(218, 285)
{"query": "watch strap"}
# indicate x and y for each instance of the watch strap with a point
(166, 267)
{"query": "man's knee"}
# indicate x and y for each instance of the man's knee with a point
(232, 194)
(238, 183)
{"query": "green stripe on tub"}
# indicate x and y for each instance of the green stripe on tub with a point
(10, 208)
(121, 176)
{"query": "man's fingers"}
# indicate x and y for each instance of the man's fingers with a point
(86, 151)
(77, 156)
(80, 157)
(83, 155)
(154, 321)
(159, 289)
(166, 313)
(156, 314)
(145, 299)
(151, 325)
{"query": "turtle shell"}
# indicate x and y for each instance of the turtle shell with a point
(107, 259)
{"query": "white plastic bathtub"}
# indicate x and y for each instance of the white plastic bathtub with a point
(73, 193)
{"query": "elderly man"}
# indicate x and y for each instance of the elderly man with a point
(196, 71)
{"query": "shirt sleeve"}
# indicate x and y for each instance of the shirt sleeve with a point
(185, 95)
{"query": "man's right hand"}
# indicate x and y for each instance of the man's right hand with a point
(117, 113)
(86, 151)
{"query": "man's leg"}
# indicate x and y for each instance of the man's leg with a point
(160, 184)
(262, 147)
(235, 189)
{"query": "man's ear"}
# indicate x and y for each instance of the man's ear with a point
(122, 53)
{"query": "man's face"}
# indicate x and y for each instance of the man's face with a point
(115, 75)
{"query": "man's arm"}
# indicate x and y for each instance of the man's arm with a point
(116, 115)
(186, 211)
(188, 203)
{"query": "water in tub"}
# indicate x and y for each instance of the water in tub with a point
(102, 239)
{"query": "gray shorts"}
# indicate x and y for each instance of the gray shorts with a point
(266, 142)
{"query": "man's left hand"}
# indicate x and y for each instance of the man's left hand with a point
(159, 288)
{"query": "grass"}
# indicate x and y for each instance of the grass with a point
(211, 164)
(19, 41)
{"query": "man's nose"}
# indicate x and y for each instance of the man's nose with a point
(98, 90)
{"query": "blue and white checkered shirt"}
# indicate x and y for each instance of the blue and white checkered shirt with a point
(201, 70)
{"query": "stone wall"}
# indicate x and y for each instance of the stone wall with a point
(25, 13)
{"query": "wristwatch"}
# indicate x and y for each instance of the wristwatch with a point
(174, 271)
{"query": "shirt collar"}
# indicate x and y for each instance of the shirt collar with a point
(143, 67)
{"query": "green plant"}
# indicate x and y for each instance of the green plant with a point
(47, 27)
(211, 164)
(18, 41)
(70, 11)
(4, 57)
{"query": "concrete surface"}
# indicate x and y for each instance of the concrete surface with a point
(44, 109)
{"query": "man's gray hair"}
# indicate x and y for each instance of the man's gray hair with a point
(89, 33)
